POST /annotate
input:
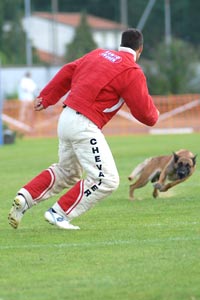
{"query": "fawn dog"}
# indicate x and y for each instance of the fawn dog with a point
(174, 169)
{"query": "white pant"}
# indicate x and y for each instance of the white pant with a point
(85, 163)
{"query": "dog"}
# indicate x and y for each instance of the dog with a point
(164, 171)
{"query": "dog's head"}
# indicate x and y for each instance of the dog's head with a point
(184, 165)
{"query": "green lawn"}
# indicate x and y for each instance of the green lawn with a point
(141, 250)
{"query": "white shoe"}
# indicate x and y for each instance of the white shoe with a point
(17, 211)
(55, 219)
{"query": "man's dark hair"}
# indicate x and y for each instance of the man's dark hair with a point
(132, 38)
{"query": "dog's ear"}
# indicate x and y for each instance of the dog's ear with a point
(194, 160)
(176, 157)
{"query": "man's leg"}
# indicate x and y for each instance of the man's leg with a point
(47, 184)
(101, 179)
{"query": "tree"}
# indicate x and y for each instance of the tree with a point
(82, 42)
(174, 68)
(184, 16)
(12, 35)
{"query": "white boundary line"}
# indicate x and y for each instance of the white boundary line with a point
(128, 116)
(16, 123)
(106, 243)
(45, 123)
(179, 109)
(174, 130)
(164, 116)
(122, 113)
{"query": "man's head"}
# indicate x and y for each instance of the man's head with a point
(28, 74)
(133, 38)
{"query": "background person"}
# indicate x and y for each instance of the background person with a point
(26, 94)
(99, 83)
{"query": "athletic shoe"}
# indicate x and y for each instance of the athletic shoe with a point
(55, 219)
(17, 211)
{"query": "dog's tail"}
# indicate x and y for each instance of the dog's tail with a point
(138, 169)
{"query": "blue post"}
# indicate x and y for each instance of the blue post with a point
(1, 110)
(1, 131)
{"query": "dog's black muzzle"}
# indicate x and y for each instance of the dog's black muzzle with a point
(183, 172)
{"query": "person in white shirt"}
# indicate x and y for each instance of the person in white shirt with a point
(26, 94)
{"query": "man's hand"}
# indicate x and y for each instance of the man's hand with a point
(38, 104)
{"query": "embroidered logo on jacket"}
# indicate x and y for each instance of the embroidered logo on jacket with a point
(112, 57)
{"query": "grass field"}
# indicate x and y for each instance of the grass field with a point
(141, 250)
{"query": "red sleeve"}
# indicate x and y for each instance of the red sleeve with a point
(59, 85)
(137, 98)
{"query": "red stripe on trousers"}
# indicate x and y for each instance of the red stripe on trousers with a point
(41, 184)
(72, 198)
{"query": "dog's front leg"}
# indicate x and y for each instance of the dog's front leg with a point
(166, 187)
(171, 184)
(163, 176)
(155, 193)
(158, 186)
(162, 187)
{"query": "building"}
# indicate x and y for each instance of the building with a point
(50, 33)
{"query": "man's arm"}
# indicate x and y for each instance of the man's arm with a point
(58, 86)
(137, 98)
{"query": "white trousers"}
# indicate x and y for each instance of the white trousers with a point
(85, 164)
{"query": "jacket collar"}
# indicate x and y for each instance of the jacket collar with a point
(129, 50)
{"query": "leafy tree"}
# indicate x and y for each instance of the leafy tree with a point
(12, 35)
(173, 68)
(185, 19)
(14, 44)
(82, 42)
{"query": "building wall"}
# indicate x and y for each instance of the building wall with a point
(107, 39)
(53, 37)
(10, 77)
(47, 36)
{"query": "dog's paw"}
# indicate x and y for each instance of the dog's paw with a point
(158, 186)
(164, 188)
(155, 193)
(161, 187)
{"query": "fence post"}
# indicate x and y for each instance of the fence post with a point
(1, 109)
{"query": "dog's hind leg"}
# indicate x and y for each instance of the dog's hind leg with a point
(139, 168)
(140, 182)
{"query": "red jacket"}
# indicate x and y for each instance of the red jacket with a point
(99, 83)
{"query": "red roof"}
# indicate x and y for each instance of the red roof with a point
(73, 19)
(49, 57)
